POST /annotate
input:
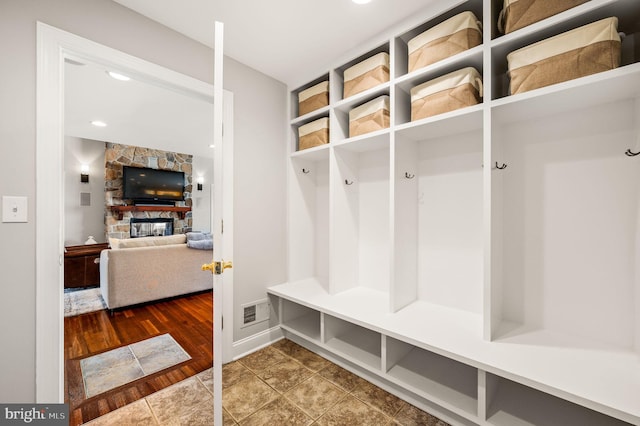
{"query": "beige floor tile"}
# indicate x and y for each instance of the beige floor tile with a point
(246, 397)
(188, 402)
(286, 346)
(341, 377)
(206, 377)
(227, 419)
(382, 400)
(307, 358)
(412, 416)
(262, 359)
(284, 375)
(233, 372)
(136, 413)
(352, 411)
(315, 395)
(278, 412)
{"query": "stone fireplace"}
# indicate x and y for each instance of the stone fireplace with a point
(119, 225)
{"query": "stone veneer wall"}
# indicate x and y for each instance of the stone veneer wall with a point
(116, 156)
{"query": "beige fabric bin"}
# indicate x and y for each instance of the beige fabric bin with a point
(313, 134)
(369, 117)
(452, 91)
(518, 14)
(586, 50)
(313, 98)
(457, 34)
(366, 74)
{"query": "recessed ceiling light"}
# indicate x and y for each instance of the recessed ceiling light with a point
(361, 1)
(118, 76)
(99, 123)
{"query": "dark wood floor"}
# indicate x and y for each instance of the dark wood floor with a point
(188, 319)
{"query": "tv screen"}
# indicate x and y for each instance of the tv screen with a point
(152, 185)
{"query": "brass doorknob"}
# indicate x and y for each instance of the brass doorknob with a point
(217, 267)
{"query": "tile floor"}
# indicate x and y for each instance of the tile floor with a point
(282, 384)
(119, 366)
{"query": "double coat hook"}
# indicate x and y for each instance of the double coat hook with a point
(630, 153)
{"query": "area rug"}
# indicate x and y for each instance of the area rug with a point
(120, 366)
(78, 302)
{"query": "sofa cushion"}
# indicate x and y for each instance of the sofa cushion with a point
(116, 243)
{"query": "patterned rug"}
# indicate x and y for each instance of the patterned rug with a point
(120, 366)
(78, 302)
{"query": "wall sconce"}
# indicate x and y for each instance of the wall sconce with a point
(200, 182)
(84, 173)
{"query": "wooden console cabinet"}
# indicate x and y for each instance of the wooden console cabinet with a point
(82, 265)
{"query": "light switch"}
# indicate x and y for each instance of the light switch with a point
(14, 209)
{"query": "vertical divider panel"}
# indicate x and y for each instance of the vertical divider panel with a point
(323, 333)
(396, 350)
(335, 86)
(345, 214)
(636, 302)
(488, 221)
(405, 226)
(494, 222)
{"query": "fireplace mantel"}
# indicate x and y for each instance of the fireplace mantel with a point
(120, 210)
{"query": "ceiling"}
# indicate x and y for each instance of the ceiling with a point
(136, 113)
(288, 40)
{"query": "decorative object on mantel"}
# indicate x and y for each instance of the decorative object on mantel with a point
(90, 240)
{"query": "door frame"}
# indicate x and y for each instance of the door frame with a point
(53, 46)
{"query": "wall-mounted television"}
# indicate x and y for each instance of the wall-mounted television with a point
(144, 185)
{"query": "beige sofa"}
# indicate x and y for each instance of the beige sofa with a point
(151, 268)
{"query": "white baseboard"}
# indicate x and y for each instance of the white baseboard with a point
(256, 342)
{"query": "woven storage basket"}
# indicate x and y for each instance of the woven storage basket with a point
(313, 134)
(369, 117)
(452, 91)
(313, 98)
(518, 14)
(366, 74)
(457, 34)
(586, 50)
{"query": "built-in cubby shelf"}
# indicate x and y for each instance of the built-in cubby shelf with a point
(120, 210)
(301, 320)
(482, 262)
(506, 407)
(437, 378)
(353, 342)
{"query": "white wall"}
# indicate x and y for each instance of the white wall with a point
(259, 137)
(201, 207)
(81, 221)
(259, 257)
